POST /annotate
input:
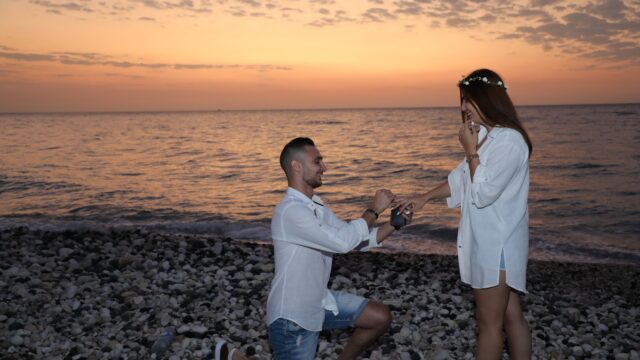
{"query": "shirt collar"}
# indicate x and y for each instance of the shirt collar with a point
(495, 131)
(299, 195)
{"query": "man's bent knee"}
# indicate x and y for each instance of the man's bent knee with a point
(377, 315)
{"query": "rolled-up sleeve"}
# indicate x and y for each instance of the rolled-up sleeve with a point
(491, 178)
(456, 189)
(335, 221)
(305, 229)
(373, 240)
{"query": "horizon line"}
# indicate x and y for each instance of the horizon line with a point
(288, 109)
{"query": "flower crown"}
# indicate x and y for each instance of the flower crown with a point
(467, 81)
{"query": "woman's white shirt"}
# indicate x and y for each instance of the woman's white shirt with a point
(494, 211)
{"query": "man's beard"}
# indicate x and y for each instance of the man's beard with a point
(314, 182)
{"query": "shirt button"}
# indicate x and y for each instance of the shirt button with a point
(459, 246)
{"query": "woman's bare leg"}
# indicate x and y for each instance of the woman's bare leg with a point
(491, 305)
(517, 328)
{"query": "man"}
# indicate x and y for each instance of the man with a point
(305, 235)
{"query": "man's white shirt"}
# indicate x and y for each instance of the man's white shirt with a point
(305, 236)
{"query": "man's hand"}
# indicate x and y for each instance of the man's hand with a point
(381, 200)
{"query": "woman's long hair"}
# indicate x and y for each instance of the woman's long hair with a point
(487, 92)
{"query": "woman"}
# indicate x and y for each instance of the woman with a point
(491, 187)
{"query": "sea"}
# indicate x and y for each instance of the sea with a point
(217, 173)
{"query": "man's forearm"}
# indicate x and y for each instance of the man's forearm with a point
(384, 231)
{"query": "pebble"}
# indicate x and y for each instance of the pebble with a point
(183, 329)
(16, 340)
(93, 295)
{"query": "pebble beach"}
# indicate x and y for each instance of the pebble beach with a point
(109, 294)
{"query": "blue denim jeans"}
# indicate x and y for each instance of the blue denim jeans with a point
(290, 341)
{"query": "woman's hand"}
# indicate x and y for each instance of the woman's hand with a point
(411, 203)
(468, 136)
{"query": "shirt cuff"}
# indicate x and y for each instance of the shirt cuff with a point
(373, 240)
(362, 228)
(454, 198)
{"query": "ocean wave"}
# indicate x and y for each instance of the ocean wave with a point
(20, 184)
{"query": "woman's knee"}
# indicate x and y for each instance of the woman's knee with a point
(514, 315)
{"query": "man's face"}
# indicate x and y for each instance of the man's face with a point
(313, 167)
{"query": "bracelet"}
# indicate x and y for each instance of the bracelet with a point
(470, 157)
(375, 213)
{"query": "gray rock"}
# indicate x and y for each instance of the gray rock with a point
(165, 318)
(405, 332)
(199, 329)
(183, 329)
(16, 340)
(70, 291)
(65, 252)
(217, 248)
(439, 354)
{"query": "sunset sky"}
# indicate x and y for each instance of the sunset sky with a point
(84, 55)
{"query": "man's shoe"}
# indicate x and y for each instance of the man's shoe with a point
(222, 350)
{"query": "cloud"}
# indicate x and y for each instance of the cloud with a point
(252, 3)
(128, 76)
(408, 8)
(237, 11)
(56, 7)
(188, 5)
(576, 28)
(461, 22)
(96, 59)
(587, 35)
(377, 15)
(322, 2)
(340, 16)
(27, 57)
(609, 9)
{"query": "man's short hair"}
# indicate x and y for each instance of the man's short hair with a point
(293, 150)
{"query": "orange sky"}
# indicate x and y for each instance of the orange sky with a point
(84, 55)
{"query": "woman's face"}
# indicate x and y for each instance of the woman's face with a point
(469, 111)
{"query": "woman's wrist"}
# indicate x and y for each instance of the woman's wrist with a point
(472, 156)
